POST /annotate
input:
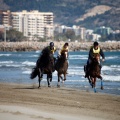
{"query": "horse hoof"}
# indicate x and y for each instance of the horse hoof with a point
(49, 86)
(95, 91)
(58, 86)
(62, 81)
(50, 80)
(39, 87)
(102, 88)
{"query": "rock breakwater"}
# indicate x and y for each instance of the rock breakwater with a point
(73, 46)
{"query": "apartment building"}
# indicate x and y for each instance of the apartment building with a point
(33, 24)
(5, 18)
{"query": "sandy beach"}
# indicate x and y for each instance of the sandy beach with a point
(27, 102)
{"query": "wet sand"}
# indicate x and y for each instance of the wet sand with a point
(27, 102)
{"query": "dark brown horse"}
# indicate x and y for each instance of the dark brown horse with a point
(44, 65)
(95, 72)
(61, 67)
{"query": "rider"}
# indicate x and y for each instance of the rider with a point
(52, 50)
(94, 49)
(65, 49)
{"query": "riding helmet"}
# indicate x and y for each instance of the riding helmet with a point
(66, 44)
(96, 44)
(51, 44)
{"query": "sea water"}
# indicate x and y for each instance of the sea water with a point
(15, 67)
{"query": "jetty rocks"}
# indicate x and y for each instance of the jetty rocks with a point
(73, 46)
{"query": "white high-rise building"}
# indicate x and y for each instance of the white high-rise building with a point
(34, 23)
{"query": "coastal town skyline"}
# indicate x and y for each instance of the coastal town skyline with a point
(35, 25)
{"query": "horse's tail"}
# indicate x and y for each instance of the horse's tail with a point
(34, 73)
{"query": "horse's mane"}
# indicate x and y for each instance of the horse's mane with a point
(45, 58)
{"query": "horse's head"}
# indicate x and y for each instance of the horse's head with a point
(96, 57)
(64, 55)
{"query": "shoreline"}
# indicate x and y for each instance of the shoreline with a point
(28, 102)
(73, 46)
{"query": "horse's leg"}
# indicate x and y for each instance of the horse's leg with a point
(51, 77)
(94, 84)
(102, 84)
(58, 84)
(48, 77)
(90, 81)
(39, 75)
(64, 76)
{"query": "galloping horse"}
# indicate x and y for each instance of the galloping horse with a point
(44, 65)
(61, 67)
(94, 72)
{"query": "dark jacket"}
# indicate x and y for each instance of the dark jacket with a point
(48, 49)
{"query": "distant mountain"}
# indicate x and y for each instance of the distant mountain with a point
(3, 5)
(86, 13)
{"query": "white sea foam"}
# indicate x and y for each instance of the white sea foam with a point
(13, 65)
(112, 57)
(111, 68)
(29, 63)
(38, 51)
(115, 66)
(5, 54)
(6, 62)
(111, 78)
(75, 67)
(78, 57)
(26, 72)
(34, 56)
(106, 68)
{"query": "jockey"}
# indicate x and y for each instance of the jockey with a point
(93, 50)
(65, 49)
(52, 50)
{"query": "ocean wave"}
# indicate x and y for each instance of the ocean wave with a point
(75, 67)
(111, 78)
(115, 66)
(33, 56)
(106, 68)
(78, 80)
(111, 68)
(26, 72)
(78, 58)
(84, 57)
(5, 55)
(28, 63)
(112, 57)
(38, 51)
(13, 65)
(6, 62)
